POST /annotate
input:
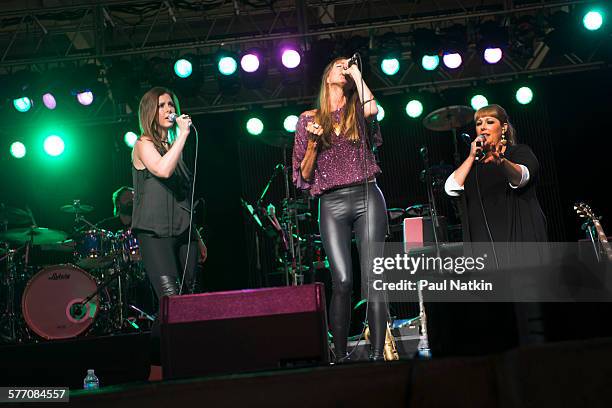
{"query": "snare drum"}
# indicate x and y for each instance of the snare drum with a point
(52, 302)
(94, 249)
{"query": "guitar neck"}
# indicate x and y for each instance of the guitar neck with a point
(603, 239)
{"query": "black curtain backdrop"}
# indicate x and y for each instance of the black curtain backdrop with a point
(567, 126)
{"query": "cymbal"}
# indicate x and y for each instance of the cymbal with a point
(76, 208)
(276, 138)
(448, 118)
(37, 235)
(13, 215)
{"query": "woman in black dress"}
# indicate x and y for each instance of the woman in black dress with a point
(497, 187)
(506, 176)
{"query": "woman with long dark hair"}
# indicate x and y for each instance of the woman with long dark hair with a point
(162, 196)
(333, 159)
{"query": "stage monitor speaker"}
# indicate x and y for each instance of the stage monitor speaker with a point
(246, 330)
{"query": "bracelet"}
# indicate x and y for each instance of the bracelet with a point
(369, 100)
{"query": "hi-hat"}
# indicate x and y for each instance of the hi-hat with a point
(13, 215)
(36, 235)
(449, 118)
(76, 208)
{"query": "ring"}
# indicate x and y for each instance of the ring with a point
(316, 126)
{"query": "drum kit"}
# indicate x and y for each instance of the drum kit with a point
(93, 292)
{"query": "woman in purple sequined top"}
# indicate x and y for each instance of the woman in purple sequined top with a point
(333, 159)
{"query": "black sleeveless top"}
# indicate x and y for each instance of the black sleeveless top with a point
(162, 206)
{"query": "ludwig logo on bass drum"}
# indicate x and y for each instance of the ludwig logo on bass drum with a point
(59, 276)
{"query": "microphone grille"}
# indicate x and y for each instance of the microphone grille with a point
(172, 117)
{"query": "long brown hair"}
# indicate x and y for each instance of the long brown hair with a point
(348, 123)
(500, 114)
(148, 116)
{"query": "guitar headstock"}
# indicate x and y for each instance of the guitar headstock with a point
(585, 211)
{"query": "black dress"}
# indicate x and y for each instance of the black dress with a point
(513, 214)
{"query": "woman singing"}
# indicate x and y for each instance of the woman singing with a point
(162, 195)
(332, 158)
(507, 178)
(499, 204)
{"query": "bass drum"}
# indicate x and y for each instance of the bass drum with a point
(52, 302)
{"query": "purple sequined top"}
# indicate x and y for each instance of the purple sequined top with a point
(342, 163)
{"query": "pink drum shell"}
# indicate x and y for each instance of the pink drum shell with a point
(46, 301)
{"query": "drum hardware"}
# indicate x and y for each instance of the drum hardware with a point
(450, 118)
(76, 208)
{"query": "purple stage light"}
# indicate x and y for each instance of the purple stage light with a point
(85, 98)
(452, 60)
(49, 101)
(290, 58)
(249, 63)
(493, 55)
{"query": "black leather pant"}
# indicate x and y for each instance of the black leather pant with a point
(164, 260)
(341, 211)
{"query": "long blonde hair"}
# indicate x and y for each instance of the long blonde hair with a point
(500, 114)
(348, 123)
(148, 116)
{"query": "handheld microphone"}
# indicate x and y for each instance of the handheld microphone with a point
(172, 118)
(353, 59)
(480, 152)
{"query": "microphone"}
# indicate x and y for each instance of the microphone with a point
(172, 118)
(480, 153)
(353, 59)
(466, 138)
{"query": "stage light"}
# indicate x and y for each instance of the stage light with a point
(290, 58)
(249, 63)
(54, 145)
(390, 66)
(430, 62)
(452, 60)
(593, 20)
(18, 150)
(381, 113)
(49, 101)
(290, 123)
(227, 65)
(493, 55)
(22, 104)
(255, 126)
(478, 101)
(130, 138)
(85, 97)
(183, 68)
(524, 95)
(414, 108)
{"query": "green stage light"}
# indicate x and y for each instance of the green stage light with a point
(593, 20)
(414, 108)
(130, 138)
(478, 101)
(390, 66)
(227, 65)
(255, 126)
(182, 68)
(524, 95)
(290, 123)
(381, 113)
(22, 104)
(54, 145)
(18, 150)
(430, 62)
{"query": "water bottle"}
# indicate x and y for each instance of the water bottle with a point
(91, 382)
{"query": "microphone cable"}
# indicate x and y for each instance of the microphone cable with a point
(484, 215)
(193, 180)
